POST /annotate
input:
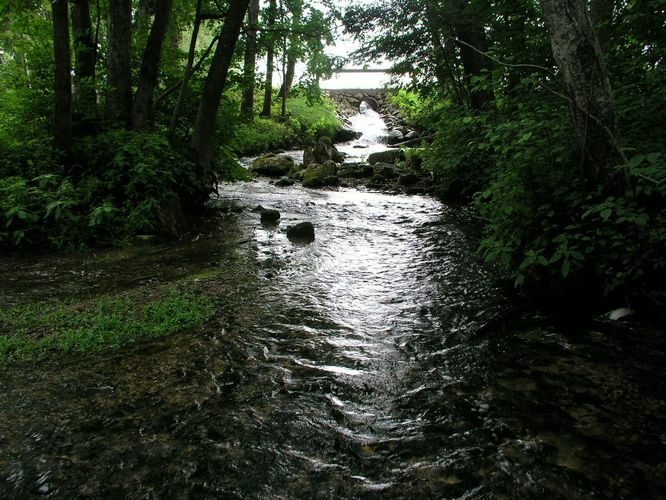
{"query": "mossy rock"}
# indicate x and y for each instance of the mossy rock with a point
(318, 175)
(388, 156)
(272, 165)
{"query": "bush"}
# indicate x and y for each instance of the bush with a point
(119, 187)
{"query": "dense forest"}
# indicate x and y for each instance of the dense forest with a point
(109, 109)
(118, 117)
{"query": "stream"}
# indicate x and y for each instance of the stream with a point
(370, 363)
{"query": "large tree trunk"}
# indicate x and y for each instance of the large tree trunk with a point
(250, 60)
(63, 81)
(150, 67)
(583, 71)
(601, 15)
(270, 61)
(204, 129)
(188, 71)
(86, 58)
(119, 71)
(471, 31)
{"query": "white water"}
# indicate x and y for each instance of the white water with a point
(374, 131)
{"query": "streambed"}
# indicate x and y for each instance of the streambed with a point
(365, 364)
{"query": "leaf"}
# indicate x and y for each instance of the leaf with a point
(606, 213)
(520, 279)
(566, 267)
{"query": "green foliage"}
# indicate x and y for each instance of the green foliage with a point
(306, 120)
(422, 111)
(549, 228)
(29, 332)
(263, 134)
(119, 186)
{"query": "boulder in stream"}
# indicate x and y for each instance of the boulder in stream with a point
(388, 156)
(346, 134)
(355, 170)
(386, 170)
(320, 175)
(272, 165)
(395, 136)
(270, 216)
(321, 152)
(284, 182)
(302, 232)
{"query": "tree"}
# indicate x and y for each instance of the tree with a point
(187, 74)
(250, 59)
(150, 65)
(63, 81)
(469, 28)
(204, 128)
(601, 15)
(578, 55)
(294, 51)
(119, 70)
(86, 59)
(270, 56)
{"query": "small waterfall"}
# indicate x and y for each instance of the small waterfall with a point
(374, 132)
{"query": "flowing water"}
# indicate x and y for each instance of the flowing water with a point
(370, 363)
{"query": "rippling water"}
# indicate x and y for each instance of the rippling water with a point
(362, 365)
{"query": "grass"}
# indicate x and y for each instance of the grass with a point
(304, 121)
(29, 332)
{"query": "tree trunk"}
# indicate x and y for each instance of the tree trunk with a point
(578, 55)
(86, 58)
(202, 141)
(63, 81)
(270, 56)
(470, 30)
(443, 58)
(250, 60)
(601, 15)
(293, 52)
(119, 71)
(289, 73)
(150, 67)
(188, 71)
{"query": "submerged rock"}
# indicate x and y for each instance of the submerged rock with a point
(320, 175)
(302, 232)
(272, 165)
